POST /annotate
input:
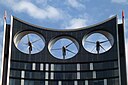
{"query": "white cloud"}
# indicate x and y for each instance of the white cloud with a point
(76, 23)
(49, 12)
(75, 4)
(119, 1)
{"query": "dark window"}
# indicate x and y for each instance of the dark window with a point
(65, 67)
(107, 73)
(97, 82)
(86, 75)
(105, 65)
(14, 81)
(114, 81)
(66, 75)
(15, 73)
(85, 66)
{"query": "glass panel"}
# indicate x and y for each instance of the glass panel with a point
(65, 67)
(81, 82)
(52, 67)
(86, 82)
(105, 81)
(33, 82)
(97, 82)
(22, 81)
(106, 65)
(34, 75)
(52, 75)
(52, 83)
(37, 66)
(86, 75)
(46, 82)
(78, 67)
(85, 66)
(22, 74)
(14, 81)
(70, 67)
(94, 74)
(46, 75)
(91, 66)
(57, 67)
(28, 82)
(15, 73)
(75, 83)
(66, 75)
(68, 83)
(41, 67)
(34, 66)
(21, 65)
(78, 75)
(59, 83)
(114, 81)
(107, 73)
(47, 67)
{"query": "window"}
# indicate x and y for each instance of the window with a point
(78, 75)
(75, 83)
(86, 82)
(78, 67)
(52, 67)
(96, 82)
(46, 67)
(41, 67)
(14, 81)
(91, 66)
(46, 75)
(34, 66)
(52, 75)
(22, 74)
(94, 74)
(15, 73)
(85, 67)
(59, 83)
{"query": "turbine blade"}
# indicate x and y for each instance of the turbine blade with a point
(102, 47)
(69, 44)
(36, 47)
(36, 40)
(70, 51)
(57, 49)
(104, 41)
(25, 43)
(93, 48)
(28, 38)
(90, 42)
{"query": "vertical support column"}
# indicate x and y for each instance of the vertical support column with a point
(5, 54)
(122, 57)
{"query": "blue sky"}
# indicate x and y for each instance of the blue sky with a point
(63, 14)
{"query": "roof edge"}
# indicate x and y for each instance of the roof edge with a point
(75, 29)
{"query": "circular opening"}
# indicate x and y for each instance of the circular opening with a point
(29, 42)
(98, 42)
(63, 47)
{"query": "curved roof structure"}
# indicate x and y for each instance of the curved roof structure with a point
(75, 29)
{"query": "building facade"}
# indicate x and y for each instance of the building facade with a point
(34, 55)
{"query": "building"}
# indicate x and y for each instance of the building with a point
(34, 55)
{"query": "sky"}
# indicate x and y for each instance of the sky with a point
(64, 14)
